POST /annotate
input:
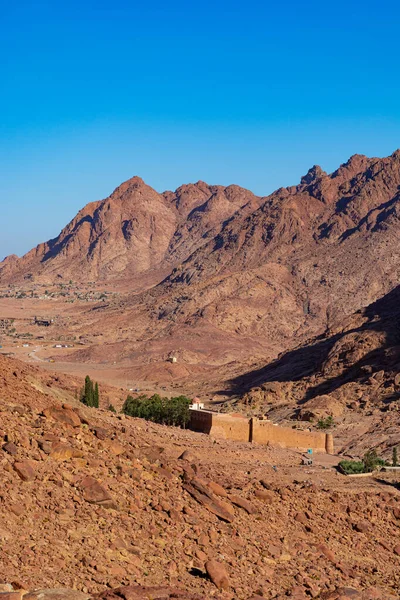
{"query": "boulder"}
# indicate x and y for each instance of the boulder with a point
(25, 470)
(94, 493)
(67, 416)
(218, 574)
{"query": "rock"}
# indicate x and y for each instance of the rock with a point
(100, 432)
(396, 513)
(25, 470)
(17, 595)
(265, 484)
(198, 489)
(63, 452)
(264, 496)
(95, 493)
(138, 592)
(326, 552)
(362, 526)
(217, 489)
(56, 594)
(67, 416)
(189, 456)
(218, 574)
(396, 550)
(10, 448)
(17, 509)
(114, 447)
(243, 503)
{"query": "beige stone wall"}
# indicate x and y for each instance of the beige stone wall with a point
(264, 432)
(254, 430)
(220, 425)
(230, 428)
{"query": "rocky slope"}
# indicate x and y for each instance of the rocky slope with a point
(133, 231)
(91, 500)
(351, 372)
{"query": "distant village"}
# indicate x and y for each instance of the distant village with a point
(69, 292)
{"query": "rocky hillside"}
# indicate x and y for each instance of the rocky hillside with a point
(274, 277)
(133, 231)
(351, 372)
(99, 502)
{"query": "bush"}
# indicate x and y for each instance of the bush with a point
(167, 411)
(352, 467)
(326, 423)
(111, 407)
(370, 462)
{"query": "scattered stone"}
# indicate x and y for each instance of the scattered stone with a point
(24, 470)
(218, 574)
(95, 493)
(243, 503)
(67, 416)
(10, 448)
(189, 456)
(56, 594)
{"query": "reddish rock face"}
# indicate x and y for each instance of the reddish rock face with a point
(135, 230)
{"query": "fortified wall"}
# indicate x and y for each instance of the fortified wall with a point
(262, 431)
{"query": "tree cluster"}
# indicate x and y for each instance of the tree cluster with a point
(90, 393)
(167, 411)
(369, 463)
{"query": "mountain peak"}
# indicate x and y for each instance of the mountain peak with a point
(312, 175)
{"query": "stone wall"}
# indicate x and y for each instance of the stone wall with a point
(264, 432)
(220, 425)
(242, 429)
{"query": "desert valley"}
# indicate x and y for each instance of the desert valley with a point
(283, 308)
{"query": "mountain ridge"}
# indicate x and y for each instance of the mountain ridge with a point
(229, 279)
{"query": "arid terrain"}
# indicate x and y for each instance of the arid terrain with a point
(286, 305)
(92, 500)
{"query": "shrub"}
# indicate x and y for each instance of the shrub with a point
(352, 467)
(326, 423)
(369, 463)
(167, 411)
(111, 408)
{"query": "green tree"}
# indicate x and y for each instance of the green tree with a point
(87, 394)
(96, 396)
(168, 411)
(371, 461)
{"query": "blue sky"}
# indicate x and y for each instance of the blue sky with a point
(253, 93)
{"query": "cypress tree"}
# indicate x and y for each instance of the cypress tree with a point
(88, 394)
(96, 396)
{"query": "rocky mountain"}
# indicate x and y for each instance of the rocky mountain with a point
(244, 278)
(274, 276)
(133, 231)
